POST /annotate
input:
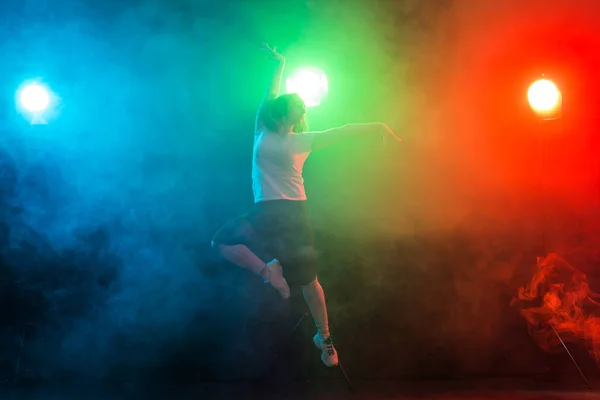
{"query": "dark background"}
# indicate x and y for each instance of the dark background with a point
(108, 210)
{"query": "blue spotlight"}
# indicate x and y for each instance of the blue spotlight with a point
(36, 102)
(34, 98)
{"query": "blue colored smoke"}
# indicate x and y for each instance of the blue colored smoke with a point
(108, 210)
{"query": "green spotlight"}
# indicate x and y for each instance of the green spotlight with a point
(309, 83)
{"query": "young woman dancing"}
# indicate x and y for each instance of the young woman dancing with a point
(277, 228)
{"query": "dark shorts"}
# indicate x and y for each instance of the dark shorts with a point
(276, 229)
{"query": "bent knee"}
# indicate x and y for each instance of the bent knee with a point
(311, 283)
(219, 246)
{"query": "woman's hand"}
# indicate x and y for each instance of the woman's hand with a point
(272, 53)
(388, 134)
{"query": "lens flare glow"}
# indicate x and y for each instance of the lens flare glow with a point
(34, 98)
(310, 84)
(543, 95)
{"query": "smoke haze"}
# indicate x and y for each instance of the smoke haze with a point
(108, 210)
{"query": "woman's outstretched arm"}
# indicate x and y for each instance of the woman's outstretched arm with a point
(331, 136)
(275, 82)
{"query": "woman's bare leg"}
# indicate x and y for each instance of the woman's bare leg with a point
(315, 299)
(242, 256)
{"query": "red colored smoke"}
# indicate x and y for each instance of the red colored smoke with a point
(559, 296)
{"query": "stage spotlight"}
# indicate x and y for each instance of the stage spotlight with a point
(545, 99)
(310, 84)
(34, 98)
(35, 101)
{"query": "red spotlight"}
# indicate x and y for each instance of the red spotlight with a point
(545, 99)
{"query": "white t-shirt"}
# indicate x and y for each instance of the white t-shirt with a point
(277, 164)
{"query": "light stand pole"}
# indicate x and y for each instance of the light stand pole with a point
(546, 101)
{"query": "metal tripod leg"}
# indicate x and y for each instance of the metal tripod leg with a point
(340, 366)
(16, 377)
(306, 314)
(350, 387)
(291, 334)
(572, 358)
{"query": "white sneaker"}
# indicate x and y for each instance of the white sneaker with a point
(329, 355)
(277, 280)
